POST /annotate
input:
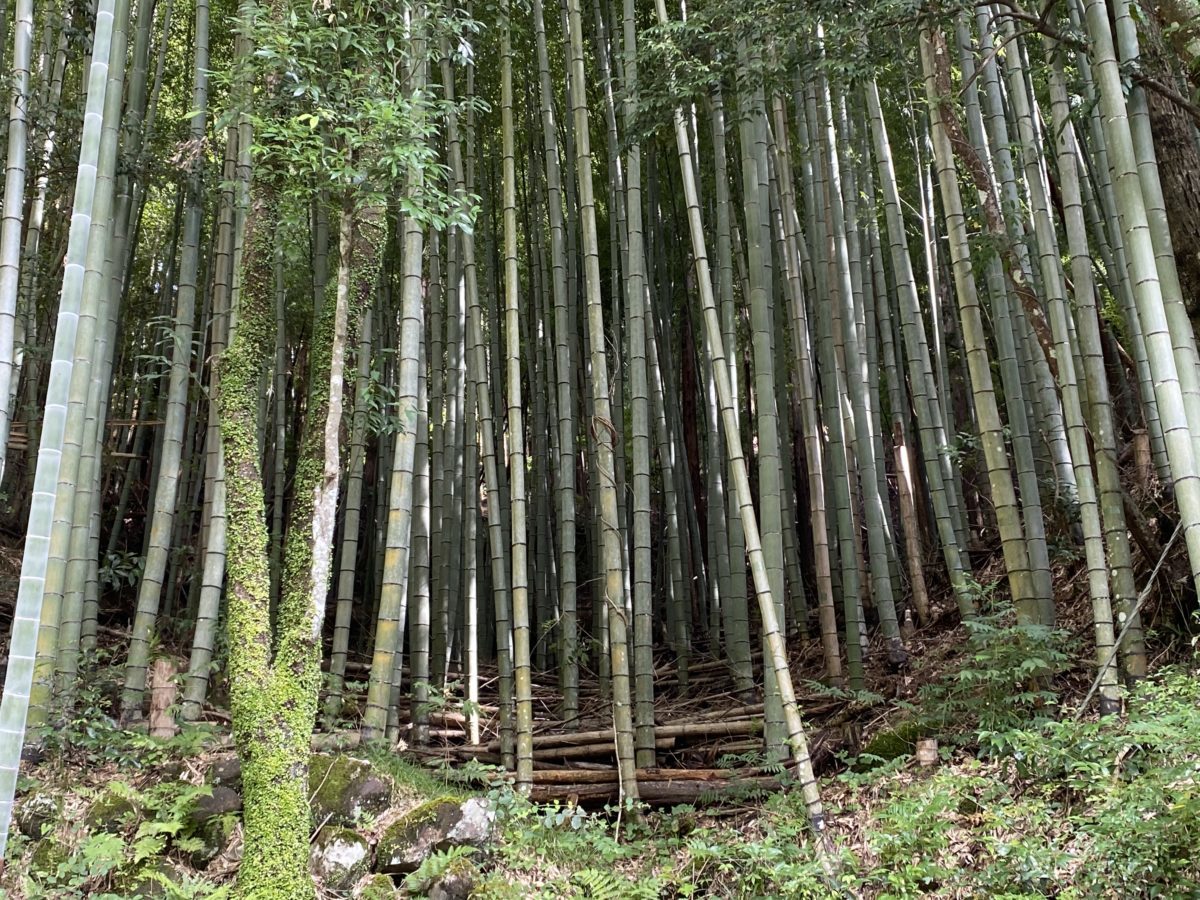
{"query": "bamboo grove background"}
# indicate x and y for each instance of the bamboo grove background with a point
(573, 341)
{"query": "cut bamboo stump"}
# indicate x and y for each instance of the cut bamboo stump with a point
(163, 691)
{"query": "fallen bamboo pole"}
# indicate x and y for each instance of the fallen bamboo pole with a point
(662, 793)
(680, 729)
(587, 751)
(604, 776)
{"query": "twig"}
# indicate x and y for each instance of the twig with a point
(1166, 92)
(1129, 620)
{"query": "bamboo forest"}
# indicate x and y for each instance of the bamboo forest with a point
(600, 449)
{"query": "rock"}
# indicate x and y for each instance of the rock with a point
(226, 771)
(497, 887)
(892, 743)
(222, 801)
(475, 827)
(111, 812)
(436, 825)
(345, 789)
(150, 881)
(212, 821)
(37, 811)
(457, 882)
(48, 854)
(339, 857)
(375, 887)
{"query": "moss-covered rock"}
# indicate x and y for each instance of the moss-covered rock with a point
(345, 790)
(36, 812)
(375, 887)
(112, 812)
(211, 822)
(339, 858)
(45, 858)
(150, 882)
(457, 882)
(226, 770)
(497, 887)
(437, 825)
(893, 743)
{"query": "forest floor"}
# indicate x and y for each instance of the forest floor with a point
(1024, 796)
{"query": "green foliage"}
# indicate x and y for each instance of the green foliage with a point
(435, 867)
(121, 569)
(124, 858)
(338, 109)
(775, 859)
(554, 832)
(1129, 788)
(1006, 681)
(407, 776)
(605, 884)
(90, 736)
(1070, 809)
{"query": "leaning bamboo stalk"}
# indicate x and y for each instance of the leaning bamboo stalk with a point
(772, 637)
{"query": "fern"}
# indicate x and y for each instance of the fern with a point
(601, 884)
(435, 867)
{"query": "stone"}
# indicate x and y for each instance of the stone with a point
(37, 811)
(147, 882)
(437, 825)
(339, 858)
(222, 801)
(212, 820)
(346, 790)
(476, 826)
(111, 812)
(456, 883)
(892, 743)
(47, 855)
(226, 771)
(172, 770)
(375, 887)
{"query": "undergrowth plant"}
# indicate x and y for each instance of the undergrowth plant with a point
(126, 857)
(1006, 682)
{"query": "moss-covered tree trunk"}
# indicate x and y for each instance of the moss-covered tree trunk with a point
(272, 707)
(274, 677)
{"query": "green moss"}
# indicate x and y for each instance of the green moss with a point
(497, 887)
(273, 701)
(273, 704)
(895, 742)
(429, 810)
(340, 857)
(400, 834)
(47, 855)
(111, 812)
(375, 887)
(346, 789)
